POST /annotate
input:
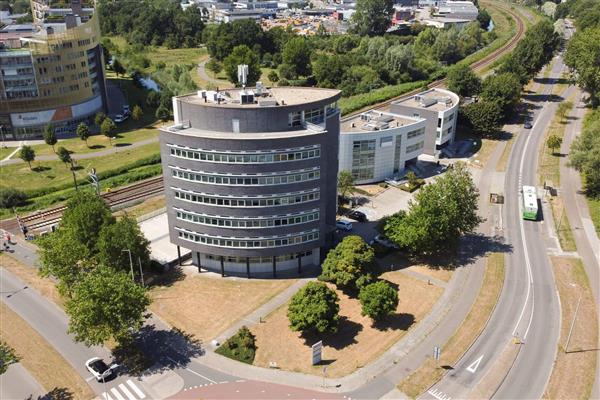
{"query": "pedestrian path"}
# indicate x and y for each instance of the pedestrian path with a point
(123, 391)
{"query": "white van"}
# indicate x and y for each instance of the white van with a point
(344, 225)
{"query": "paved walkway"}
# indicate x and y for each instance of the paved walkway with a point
(206, 77)
(84, 156)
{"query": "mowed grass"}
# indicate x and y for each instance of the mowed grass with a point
(594, 207)
(46, 365)
(5, 152)
(30, 275)
(143, 208)
(98, 142)
(205, 306)
(431, 371)
(574, 371)
(357, 341)
(55, 173)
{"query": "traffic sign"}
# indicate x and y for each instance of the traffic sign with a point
(437, 353)
(317, 349)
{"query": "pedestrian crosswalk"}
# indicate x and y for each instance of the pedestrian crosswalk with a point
(124, 391)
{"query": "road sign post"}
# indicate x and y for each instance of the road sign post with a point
(437, 352)
(317, 350)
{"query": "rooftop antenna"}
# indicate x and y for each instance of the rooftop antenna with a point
(243, 75)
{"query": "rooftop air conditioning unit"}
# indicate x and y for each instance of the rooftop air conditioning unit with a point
(267, 102)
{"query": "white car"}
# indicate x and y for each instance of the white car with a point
(344, 225)
(382, 240)
(120, 118)
(98, 369)
(126, 110)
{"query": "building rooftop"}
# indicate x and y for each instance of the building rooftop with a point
(373, 121)
(260, 96)
(187, 130)
(432, 99)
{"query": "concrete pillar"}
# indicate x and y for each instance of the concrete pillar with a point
(178, 255)
(199, 261)
(299, 263)
(248, 267)
(274, 267)
(222, 266)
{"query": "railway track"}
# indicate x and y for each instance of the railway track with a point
(154, 186)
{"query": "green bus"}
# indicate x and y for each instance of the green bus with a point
(530, 205)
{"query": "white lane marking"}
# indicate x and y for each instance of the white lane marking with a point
(106, 396)
(137, 390)
(129, 395)
(524, 242)
(193, 372)
(439, 395)
(116, 393)
(473, 367)
(89, 379)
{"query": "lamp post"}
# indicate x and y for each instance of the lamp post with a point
(141, 272)
(130, 263)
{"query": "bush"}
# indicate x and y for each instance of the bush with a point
(378, 300)
(10, 197)
(412, 186)
(240, 347)
(356, 102)
(314, 308)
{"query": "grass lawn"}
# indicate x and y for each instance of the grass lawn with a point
(205, 306)
(143, 208)
(5, 152)
(357, 341)
(573, 373)
(431, 371)
(55, 173)
(46, 365)
(594, 206)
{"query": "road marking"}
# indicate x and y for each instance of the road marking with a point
(129, 395)
(193, 372)
(89, 379)
(106, 396)
(137, 390)
(116, 393)
(439, 395)
(473, 367)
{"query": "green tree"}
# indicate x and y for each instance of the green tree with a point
(484, 18)
(554, 142)
(7, 356)
(83, 132)
(314, 308)
(124, 234)
(214, 66)
(378, 300)
(162, 113)
(463, 81)
(27, 154)
(99, 118)
(563, 108)
(242, 55)
(583, 56)
(348, 261)
(484, 116)
(118, 67)
(442, 212)
(360, 79)
(105, 305)
(137, 113)
(50, 137)
(503, 89)
(329, 69)
(345, 184)
(296, 53)
(108, 129)
(11, 197)
(64, 155)
(372, 17)
(273, 77)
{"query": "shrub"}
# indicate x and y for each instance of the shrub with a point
(378, 300)
(240, 347)
(10, 197)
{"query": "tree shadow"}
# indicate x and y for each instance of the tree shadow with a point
(153, 277)
(168, 349)
(76, 168)
(97, 146)
(40, 168)
(548, 81)
(345, 336)
(56, 394)
(540, 98)
(398, 321)
(122, 144)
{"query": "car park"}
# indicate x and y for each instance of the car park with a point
(99, 369)
(344, 225)
(358, 216)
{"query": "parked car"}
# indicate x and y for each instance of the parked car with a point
(98, 368)
(358, 216)
(382, 240)
(527, 125)
(126, 110)
(120, 118)
(344, 225)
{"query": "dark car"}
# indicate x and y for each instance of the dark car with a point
(527, 125)
(358, 216)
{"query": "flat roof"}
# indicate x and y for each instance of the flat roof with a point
(432, 99)
(196, 132)
(264, 97)
(375, 121)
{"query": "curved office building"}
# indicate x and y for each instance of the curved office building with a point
(56, 75)
(251, 177)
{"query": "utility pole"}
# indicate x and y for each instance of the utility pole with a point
(573, 323)
(141, 272)
(130, 263)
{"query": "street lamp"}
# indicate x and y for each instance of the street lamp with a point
(130, 262)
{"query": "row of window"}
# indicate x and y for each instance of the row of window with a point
(273, 201)
(245, 180)
(415, 133)
(413, 147)
(259, 260)
(255, 243)
(232, 158)
(268, 222)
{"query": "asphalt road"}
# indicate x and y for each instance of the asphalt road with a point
(528, 307)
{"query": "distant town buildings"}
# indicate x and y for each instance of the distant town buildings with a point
(51, 71)
(250, 177)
